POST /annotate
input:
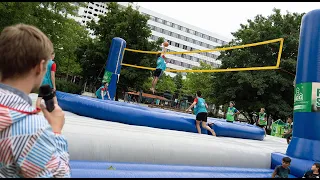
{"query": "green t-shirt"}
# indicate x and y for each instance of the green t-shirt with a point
(230, 113)
(262, 119)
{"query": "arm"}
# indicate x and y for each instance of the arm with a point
(102, 95)
(53, 75)
(52, 148)
(108, 95)
(194, 103)
(164, 50)
(207, 106)
(275, 172)
(237, 112)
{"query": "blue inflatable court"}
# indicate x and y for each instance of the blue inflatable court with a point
(132, 141)
(151, 117)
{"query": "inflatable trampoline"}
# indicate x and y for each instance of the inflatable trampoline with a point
(151, 117)
(120, 140)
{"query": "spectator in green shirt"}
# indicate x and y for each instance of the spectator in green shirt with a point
(231, 112)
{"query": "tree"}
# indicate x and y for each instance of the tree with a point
(130, 25)
(50, 17)
(200, 82)
(271, 89)
(165, 83)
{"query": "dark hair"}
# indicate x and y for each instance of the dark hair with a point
(286, 160)
(232, 102)
(199, 93)
(317, 165)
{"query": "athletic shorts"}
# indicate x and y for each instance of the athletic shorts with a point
(262, 126)
(157, 73)
(41, 95)
(202, 116)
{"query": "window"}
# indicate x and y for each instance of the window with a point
(95, 14)
(178, 36)
(168, 23)
(184, 29)
(197, 33)
(164, 22)
(192, 31)
(194, 41)
(85, 11)
(181, 46)
(177, 45)
(83, 21)
(180, 27)
(160, 20)
(164, 31)
(170, 33)
(185, 47)
(157, 29)
(90, 12)
(182, 37)
(90, 7)
(187, 30)
(152, 18)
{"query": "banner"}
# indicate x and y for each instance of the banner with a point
(106, 77)
(277, 128)
(307, 97)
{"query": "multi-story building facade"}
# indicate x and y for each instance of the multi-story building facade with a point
(180, 36)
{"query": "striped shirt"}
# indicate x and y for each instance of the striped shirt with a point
(28, 146)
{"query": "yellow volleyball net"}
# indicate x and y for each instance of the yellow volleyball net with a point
(211, 51)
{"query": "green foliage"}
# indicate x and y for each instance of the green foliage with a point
(50, 17)
(165, 83)
(130, 25)
(178, 81)
(68, 87)
(200, 82)
(271, 89)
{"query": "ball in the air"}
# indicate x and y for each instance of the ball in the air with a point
(166, 44)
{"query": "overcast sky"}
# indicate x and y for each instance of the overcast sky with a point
(223, 17)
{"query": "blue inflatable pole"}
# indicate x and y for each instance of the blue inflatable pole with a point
(113, 67)
(305, 143)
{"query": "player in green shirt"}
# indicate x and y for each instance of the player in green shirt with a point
(262, 121)
(231, 112)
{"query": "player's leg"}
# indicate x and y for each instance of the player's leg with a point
(204, 118)
(198, 126)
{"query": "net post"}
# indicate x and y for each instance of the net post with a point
(113, 67)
